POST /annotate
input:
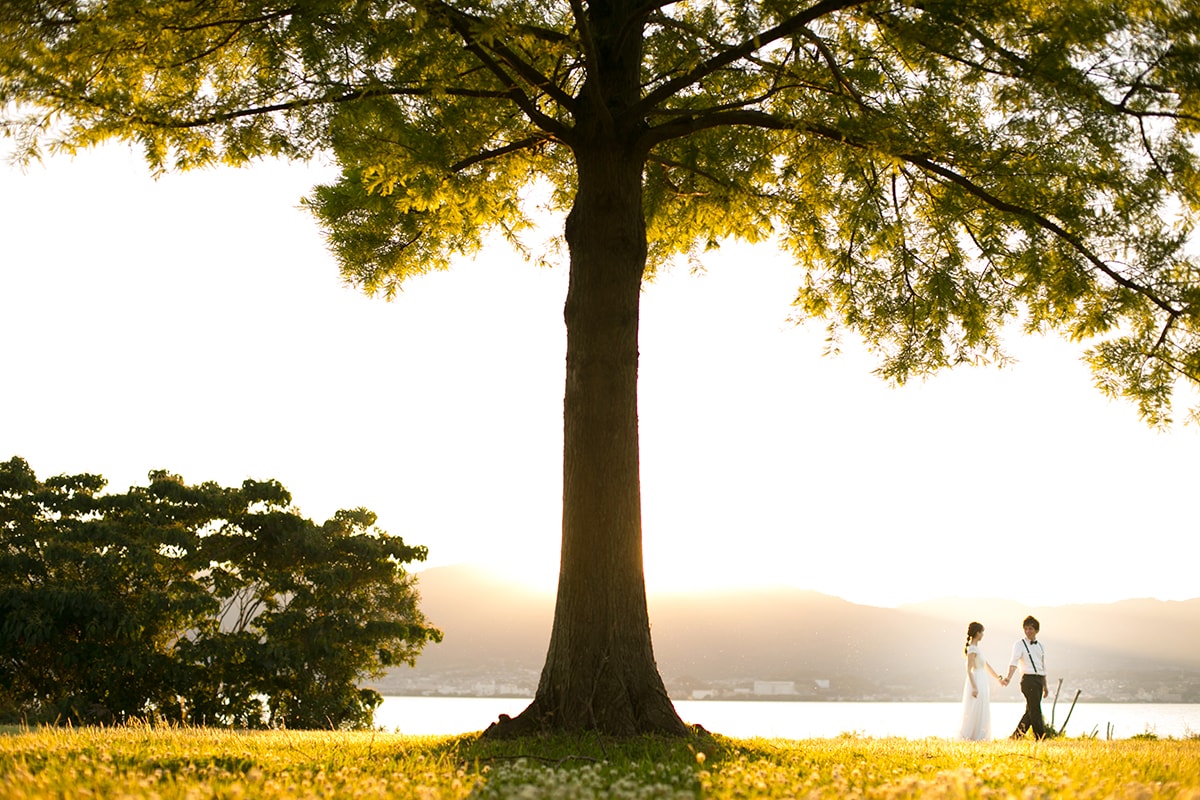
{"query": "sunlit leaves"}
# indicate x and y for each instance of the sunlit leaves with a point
(937, 169)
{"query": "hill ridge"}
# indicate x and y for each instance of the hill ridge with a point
(497, 631)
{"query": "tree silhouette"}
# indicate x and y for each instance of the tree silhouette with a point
(199, 604)
(937, 169)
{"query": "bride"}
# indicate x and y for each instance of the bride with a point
(977, 716)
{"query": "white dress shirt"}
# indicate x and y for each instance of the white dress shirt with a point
(1035, 654)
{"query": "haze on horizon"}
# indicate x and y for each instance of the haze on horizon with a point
(496, 633)
(195, 323)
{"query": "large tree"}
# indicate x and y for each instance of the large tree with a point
(938, 169)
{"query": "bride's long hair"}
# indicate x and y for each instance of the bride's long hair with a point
(972, 629)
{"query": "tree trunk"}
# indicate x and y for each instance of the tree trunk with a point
(600, 672)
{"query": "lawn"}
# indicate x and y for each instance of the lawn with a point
(141, 761)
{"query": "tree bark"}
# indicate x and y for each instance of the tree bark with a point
(600, 673)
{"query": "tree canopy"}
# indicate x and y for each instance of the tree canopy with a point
(196, 604)
(938, 170)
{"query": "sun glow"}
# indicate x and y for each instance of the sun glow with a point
(196, 324)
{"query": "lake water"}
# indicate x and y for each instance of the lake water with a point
(796, 720)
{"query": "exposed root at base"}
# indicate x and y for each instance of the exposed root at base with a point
(532, 722)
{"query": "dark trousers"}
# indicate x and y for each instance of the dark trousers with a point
(1032, 686)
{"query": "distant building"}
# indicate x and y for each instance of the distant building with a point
(774, 687)
(821, 683)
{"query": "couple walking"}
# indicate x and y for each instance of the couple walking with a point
(1030, 656)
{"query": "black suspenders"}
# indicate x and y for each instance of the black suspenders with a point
(1032, 663)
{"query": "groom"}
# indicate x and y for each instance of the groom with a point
(1031, 656)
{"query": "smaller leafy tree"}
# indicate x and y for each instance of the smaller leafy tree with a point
(305, 608)
(93, 592)
(201, 604)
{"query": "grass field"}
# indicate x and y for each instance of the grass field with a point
(158, 762)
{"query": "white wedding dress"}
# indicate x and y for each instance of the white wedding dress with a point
(977, 715)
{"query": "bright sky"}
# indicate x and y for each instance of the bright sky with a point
(197, 324)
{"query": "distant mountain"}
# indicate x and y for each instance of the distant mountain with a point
(486, 620)
(496, 634)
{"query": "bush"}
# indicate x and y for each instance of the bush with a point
(200, 604)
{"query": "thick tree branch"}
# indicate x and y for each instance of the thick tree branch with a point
(240, 22)
(767, 121)
(704, 120)
(516, 94)
(651, 6)
(1042, 221)
(757, 42)
(533, 77)
(463, 24)
(688, 32)
(523, 144)
(590, 55)
(349, 96)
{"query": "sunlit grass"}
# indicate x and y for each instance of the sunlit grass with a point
(158, 762)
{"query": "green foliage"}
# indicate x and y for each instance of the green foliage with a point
(137, 762)
(207, 604)
(937, 169)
